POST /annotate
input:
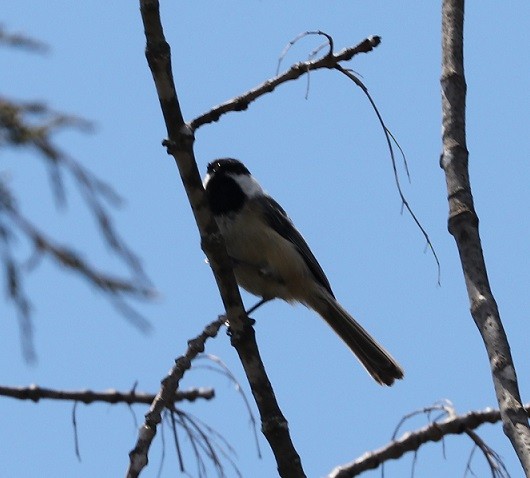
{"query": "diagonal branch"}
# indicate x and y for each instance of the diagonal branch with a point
(463, 225)
(72, 260)
(164, 399)
(180, 145)
(329, 61)
(412, 441)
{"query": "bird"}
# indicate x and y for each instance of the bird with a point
(271, 259)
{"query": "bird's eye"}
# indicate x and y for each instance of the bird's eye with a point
(212, 167)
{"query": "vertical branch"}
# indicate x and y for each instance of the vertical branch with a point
(180, 145)
(463, 225)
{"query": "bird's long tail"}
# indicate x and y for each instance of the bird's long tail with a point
(375, 359)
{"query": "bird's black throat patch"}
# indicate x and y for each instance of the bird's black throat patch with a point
(224, 195)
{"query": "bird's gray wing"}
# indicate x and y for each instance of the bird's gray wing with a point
(278, 220)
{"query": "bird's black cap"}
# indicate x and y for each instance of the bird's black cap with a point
(227, 165)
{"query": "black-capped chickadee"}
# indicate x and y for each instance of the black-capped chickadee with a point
(271, 259)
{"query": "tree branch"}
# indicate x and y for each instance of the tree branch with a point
(32, 125)
(412, 441)
(180, 145)
(164, 399)
(463, 225)
(329, 61)
(36, 393)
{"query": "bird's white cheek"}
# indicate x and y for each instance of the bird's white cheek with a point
(206, 180)
(251, 188)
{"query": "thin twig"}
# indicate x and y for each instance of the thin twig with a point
(298, 37)
(311, 56)
(163, 452)
(497, 467)
(389, 138)
(177, 441)
(76, 431)
(226, 371)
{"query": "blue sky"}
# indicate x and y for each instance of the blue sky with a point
(325, 159)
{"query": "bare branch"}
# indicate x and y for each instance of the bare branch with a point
(113, 287)
(31, 125)
(241, 103)
(463, 225)
(412, 441)
(180, 145)
(72, 260)
(164, 398)
(36, 393)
